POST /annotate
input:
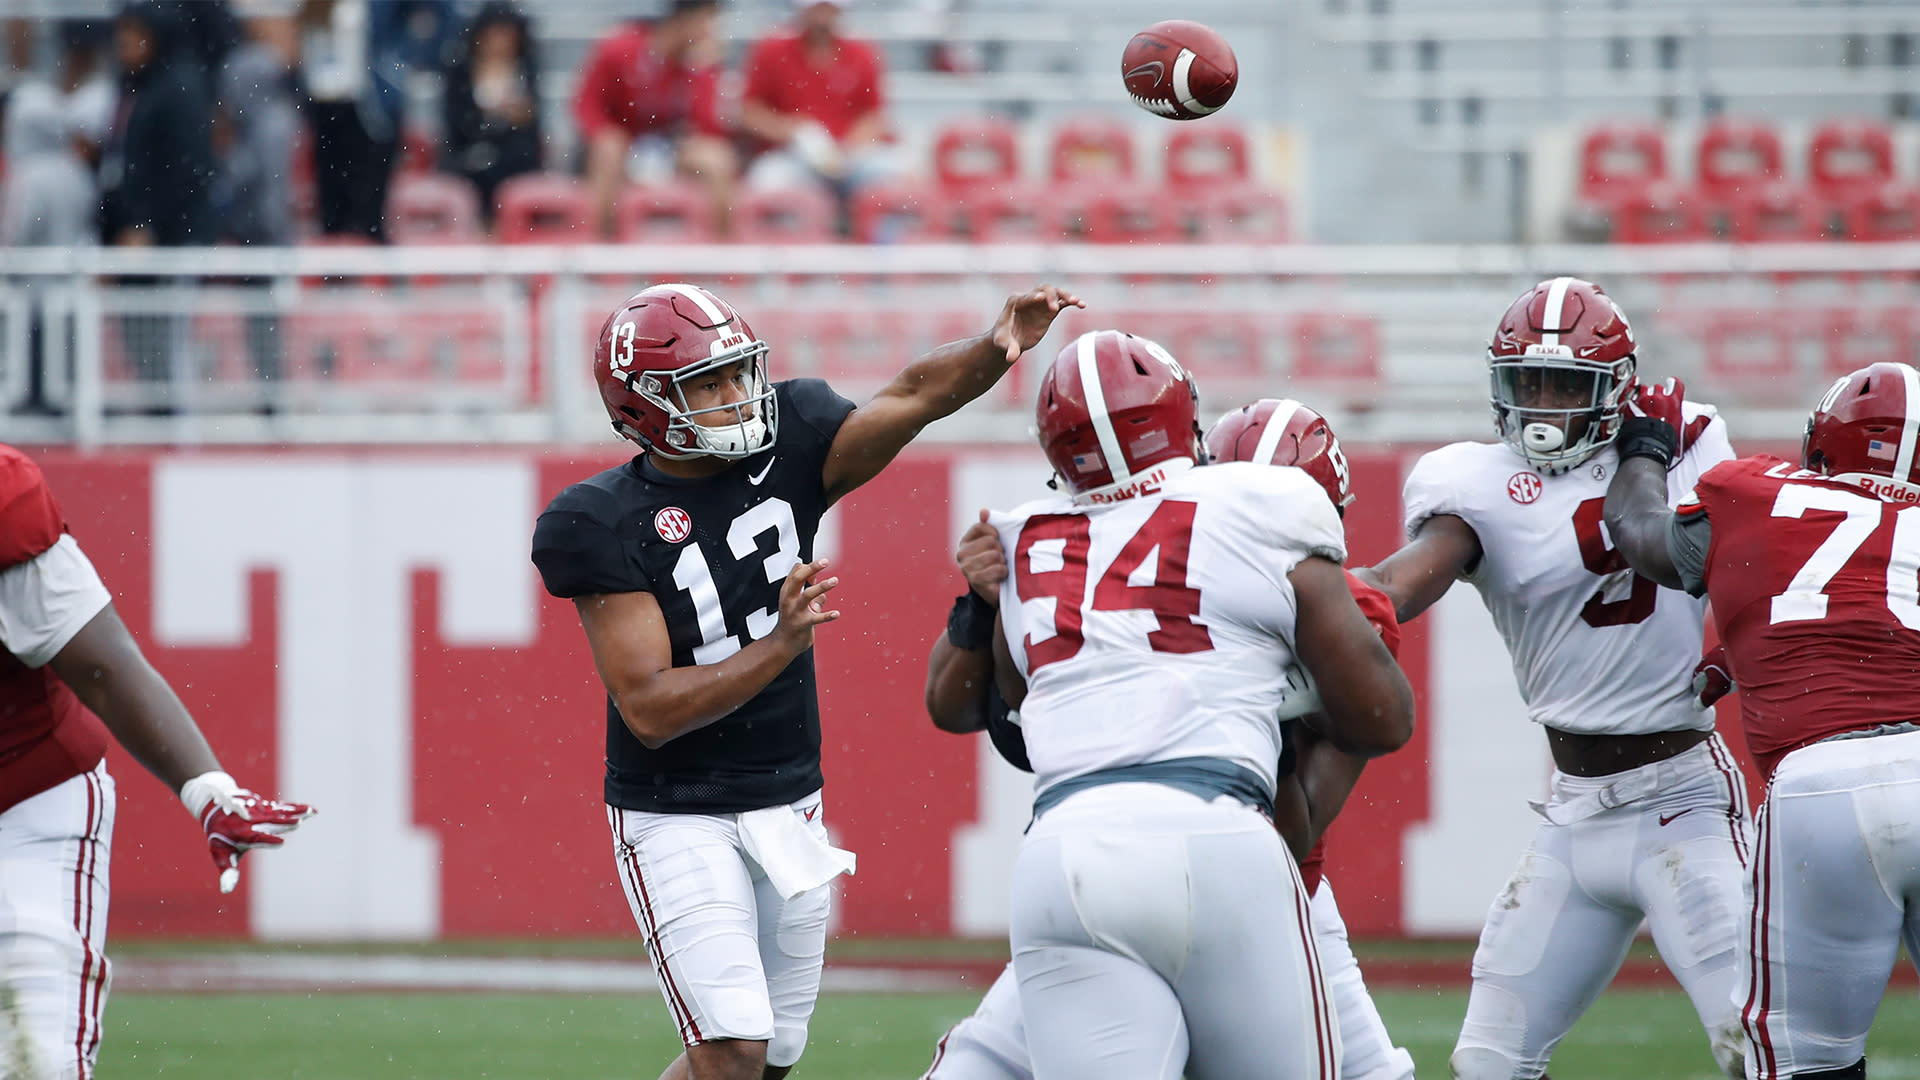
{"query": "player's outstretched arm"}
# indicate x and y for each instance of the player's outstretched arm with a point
(1421, 572)
(1638, 518)
(1366, 702)
(111, 676)
(660, 702)
(937, 385)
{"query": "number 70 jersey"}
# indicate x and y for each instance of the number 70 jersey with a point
(1161, 626)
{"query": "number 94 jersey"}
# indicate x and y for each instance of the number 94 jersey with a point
(1161, 626)
(1596, 648)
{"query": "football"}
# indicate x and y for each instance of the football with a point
(1179, 69)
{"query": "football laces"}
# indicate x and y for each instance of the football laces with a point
(1158, 108)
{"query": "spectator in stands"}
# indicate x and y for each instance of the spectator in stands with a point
(653, 87)
(814, 98)
(259, 117)
(54, 131)
(492, 105)
(355, 55)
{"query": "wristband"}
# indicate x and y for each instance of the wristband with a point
(1643, 436)
(970, 623)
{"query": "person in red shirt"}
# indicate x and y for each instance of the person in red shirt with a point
(814, 97)
(71, 678)
(1813, 573)
(656, 82)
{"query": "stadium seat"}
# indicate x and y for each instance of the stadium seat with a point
(1662, 213)
(1208, 154)
(796, 215)
(903, 212)
(432, 208)
(1619, 160)
(1340, 346)
(673, 213)
(1242, 214)
(1125, 214)
(419, 153)
(1847, 157)
(1734, 155)
(1753, 351)
(543, 208)
(979, 153)
(1010, 214)
(1091, 149)
(1889, 211)
(1856, 337)
(1775, 212)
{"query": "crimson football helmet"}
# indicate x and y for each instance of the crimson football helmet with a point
(658, 343)
(1864, 431)
(1563, 354)
(1281, 431)
(1111, 407)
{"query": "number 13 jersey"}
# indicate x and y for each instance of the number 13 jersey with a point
(1596, 649)
(1161, 626)
(713, 553)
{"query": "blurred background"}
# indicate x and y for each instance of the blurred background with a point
(297, 301)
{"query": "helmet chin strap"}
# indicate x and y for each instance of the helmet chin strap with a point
(1543, 438)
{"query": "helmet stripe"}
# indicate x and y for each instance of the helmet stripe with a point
(1903, 465)
(1277, 422)
(702, 298)
(1550, 319)
(1097, 408)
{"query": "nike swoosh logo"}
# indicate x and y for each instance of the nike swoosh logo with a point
(755, 480)
(1156, 67)
(1665, 818)
(810, 811)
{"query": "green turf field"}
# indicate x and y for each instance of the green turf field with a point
(1630, 1034)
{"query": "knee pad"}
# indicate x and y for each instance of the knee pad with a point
(1855, 1071)
(1479, 1063)
(788, 1042)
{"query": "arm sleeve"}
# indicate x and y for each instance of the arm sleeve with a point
(46, 600)
(1689, 539)
(578, 555)
(30, 519)
(817, 411)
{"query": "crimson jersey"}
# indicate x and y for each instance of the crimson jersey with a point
(1379, 611)
(46, 735)
(1815, 586)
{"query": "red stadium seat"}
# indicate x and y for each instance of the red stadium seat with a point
(1091, 149)
(1751, 350)
(543, 208)
(1736, 155)
(1340, 346)
(432, 208)
(902, 213)
(1662, 213)
(1011, 214)
(1857, 337)
(1775, 212)
(674, 213)
(1888, 211)
(972, 154)
(1243, 214)
(1125, 214)
(1208, 154)
(796, 215)
(1848, 157)
(1619, 160)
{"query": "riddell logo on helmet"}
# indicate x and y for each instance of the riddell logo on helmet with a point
(1149, 484)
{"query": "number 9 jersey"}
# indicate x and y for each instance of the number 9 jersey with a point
(1596, 648)
(1161, 626)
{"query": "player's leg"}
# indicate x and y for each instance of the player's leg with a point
(991, 1044)
(1086, 935)
(691, 894)
(1547, 950)
(53, 928)
(1255, 1001)
(1366, 1050)
(793, 948)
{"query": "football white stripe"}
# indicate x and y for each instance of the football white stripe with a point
(1097, 408)
(1276, 426)
(1903, 464)
(701, 297)
(1556, 300)
(1182, 93)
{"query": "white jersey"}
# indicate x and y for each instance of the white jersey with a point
(1161, 626)
(1596, 649)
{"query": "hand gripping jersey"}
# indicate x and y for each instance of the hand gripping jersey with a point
(1596, 648)
(1161, 626)
(1816, 591)
(713, 552)
(48, 591)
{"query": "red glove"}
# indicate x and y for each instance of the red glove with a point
(1712, 680)
(237, 820)
(1655, 416)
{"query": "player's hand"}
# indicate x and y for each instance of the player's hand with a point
(237, 820)
(1665, 402)
(982, 559)
(801, 608)
(1712, 679)
(1654, 417)
(1028, 316)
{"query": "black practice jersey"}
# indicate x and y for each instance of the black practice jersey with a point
(713, 553)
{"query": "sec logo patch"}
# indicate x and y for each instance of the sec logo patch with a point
(673, 524)
(1524, 487)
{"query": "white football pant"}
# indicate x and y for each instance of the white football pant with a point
(1836, 884)
(1155, 933)
(1668, 841)
(54, 849)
